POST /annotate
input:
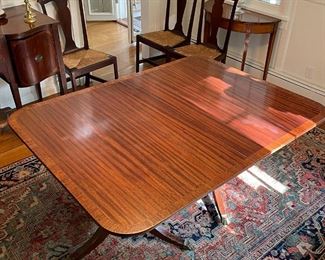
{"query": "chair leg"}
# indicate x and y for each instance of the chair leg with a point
(115, 69)
(73, 82)
(222, 58)
(39, 91)
(62, 84)
(137, 59)
(87, 81)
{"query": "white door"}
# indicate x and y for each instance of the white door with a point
(100, 10)
(131, 36)
(134, 18)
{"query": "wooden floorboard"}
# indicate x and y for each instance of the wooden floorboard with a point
(11, 148)
(109, 37)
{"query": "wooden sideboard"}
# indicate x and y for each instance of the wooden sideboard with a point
(248, 22)
(29, 53)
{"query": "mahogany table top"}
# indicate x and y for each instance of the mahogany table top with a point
(135, 151)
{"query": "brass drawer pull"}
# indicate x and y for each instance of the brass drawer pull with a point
(38, 58)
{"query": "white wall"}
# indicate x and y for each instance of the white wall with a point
(305, 53)
(298, 61)
(49, 86)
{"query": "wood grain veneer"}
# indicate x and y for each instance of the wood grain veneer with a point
(135, 151)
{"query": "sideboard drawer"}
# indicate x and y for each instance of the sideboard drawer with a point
(34, 58)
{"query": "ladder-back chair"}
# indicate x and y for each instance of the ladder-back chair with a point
(210, 49)
(167, 38)
(79, 61)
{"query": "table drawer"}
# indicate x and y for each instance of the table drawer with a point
(34, 58)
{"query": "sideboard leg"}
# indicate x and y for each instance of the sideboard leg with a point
(15, 94)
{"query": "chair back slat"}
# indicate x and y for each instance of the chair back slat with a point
(181, 6)
(231, 20)
(64, 16)
(200, 25)
(216, 16)
(84, 26)
(167, 16)
(190, 26)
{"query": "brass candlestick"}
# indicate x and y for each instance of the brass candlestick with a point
(30, 17)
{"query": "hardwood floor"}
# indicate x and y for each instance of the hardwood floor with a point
(11, 148)
(109, 37)
(112, 38)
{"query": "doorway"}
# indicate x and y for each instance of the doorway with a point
(125, 12)
(100, 10)
(129, 15)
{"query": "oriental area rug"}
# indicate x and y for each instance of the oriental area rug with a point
(275, 210)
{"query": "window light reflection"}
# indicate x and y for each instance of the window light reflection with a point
(270, 181)
(251, 180)
(84, 132)
(255, 177)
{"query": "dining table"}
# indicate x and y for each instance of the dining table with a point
(135, 151)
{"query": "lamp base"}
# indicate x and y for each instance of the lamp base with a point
(30, 17)
(30, 20)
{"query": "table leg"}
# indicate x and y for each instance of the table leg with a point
(170, 238)
(221, 206)
(247, 35)
(214, 209)
(98, 237)
(269, 51)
